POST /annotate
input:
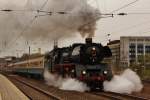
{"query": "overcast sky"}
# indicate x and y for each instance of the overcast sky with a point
(135, 25)
(130, 25)
(124, 25)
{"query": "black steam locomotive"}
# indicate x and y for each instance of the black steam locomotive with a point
(81, 61)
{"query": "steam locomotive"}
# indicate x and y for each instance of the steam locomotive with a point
(82, 61)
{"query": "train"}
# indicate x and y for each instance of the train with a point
(82, 61)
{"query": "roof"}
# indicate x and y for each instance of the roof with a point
(113, 42)
(2, 60)
(135, 37)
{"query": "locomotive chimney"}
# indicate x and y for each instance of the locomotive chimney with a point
(55, 44)
(88, 40)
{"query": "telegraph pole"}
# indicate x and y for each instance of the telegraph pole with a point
(29, 52)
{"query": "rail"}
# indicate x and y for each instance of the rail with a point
(119, 96)
(52, 96)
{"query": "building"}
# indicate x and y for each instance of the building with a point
(115, 49)
(129, 51)
(134, 50)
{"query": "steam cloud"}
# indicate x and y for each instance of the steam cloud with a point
(64, 84)
(127, 82)
(79, 17)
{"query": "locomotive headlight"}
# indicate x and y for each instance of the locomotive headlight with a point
(84, 72)
(72, 70)
(93, 48)
(105, 72)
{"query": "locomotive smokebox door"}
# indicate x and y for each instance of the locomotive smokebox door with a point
(88, 40)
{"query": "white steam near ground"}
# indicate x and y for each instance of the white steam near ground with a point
(127, 82)
(64, 83)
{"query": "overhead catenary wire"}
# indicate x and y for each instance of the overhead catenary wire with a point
(38, 11)
(44, 4)
(97, 4)
(131, 27)
(137, 13)
(21, 33)
(49, 13)
(110, 14)
(124, 6)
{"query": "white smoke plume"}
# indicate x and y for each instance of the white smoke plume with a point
(73, 84)
(127, 82)
(64, 83)
(78, 17)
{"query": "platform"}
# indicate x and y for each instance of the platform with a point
(8, 91)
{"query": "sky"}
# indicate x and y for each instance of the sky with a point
(129, 25)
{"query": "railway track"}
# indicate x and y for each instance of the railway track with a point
(118, 96)
(37, 92)
(31, 91)
(146, 81)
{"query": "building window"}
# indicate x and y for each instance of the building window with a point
(132, 48)
(140, 58)
(132, 61)
(132, 56)
(140, 48)
(132, 45)
(147, 49)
